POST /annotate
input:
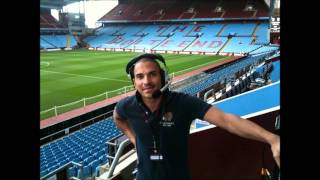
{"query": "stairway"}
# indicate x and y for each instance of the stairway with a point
(68, 43)
(253, 34)
(221, 30)
(189, 44)
(225, 44)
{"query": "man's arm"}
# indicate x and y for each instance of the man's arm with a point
(124, 127)
(244, 128)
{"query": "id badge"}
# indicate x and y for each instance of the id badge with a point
(156, 157)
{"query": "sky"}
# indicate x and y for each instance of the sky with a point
(93, 10)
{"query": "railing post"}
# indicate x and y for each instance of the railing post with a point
(84, 102)
(55, 111)
(106, 95)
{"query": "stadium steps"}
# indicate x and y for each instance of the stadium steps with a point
(49, 42)
(222, 14)
(68, 41)
(189, 44)
(225, 44)
(253, 40)
(255, 13)
(139, 33)
(160, 43)
(130, 44)
(195, 13)
(255, 30)
(163, 14)
(221, 30)
(191, 31)
(179, 17)
(254, 33)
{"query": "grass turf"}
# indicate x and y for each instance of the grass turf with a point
(68, 76)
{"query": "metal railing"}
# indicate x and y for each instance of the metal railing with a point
(52, 173)
(122, 145)
(56, 110)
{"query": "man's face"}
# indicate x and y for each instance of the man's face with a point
(147, 78)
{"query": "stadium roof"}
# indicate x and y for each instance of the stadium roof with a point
(56, 4)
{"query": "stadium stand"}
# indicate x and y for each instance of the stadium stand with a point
(86, 146)
(54, 35)
(168, 10)
(204, 37)
(260, 32)
(48, 21)
(205, 9)
(226, 73)
(236, 8)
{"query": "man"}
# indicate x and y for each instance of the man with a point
(157, 122)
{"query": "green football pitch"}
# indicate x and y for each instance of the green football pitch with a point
(69, 76)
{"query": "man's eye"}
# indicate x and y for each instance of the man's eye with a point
(139, 76)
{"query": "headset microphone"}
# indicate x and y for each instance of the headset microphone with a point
(158, 93)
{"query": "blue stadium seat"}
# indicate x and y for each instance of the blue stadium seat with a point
(94, 164)
(63, 162)
(103, 159)
(90, 159)
(86, 172)
(85, 161)
(43, 168)
(51, 163)
(101, 152)
(52, 168)
(44, 172)
(95, 155)
(77, 160)
(228, 94)
(72, 172)
(233, 91)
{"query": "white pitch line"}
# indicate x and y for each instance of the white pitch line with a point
(95, 77)
(45, 63)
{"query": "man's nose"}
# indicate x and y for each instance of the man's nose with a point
(146, 79)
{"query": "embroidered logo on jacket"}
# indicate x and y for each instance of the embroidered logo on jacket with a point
(167, 120)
